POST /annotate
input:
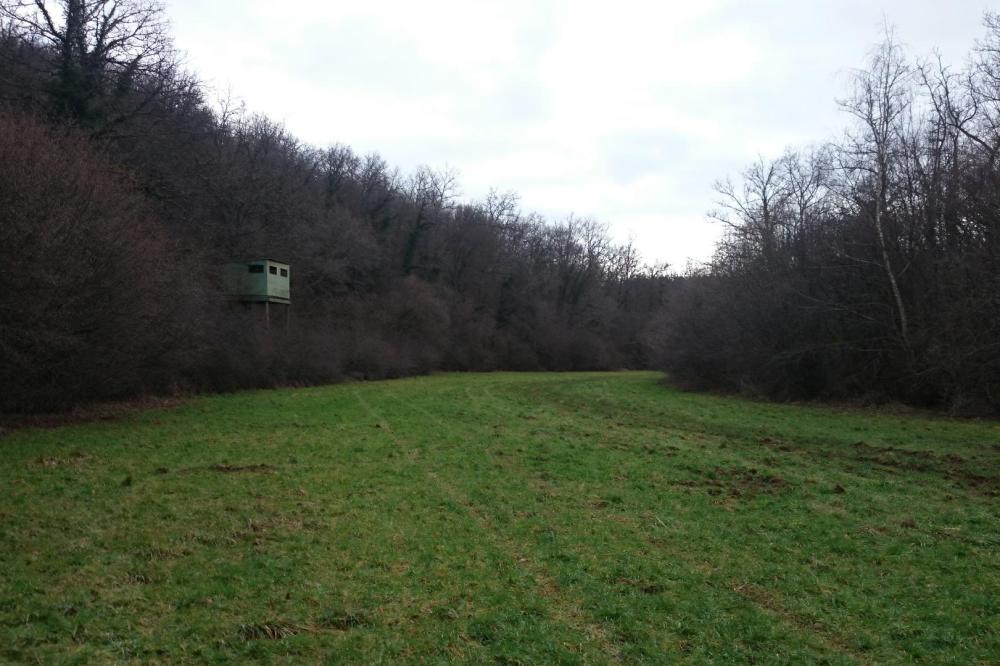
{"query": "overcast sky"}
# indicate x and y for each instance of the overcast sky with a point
(623, 111)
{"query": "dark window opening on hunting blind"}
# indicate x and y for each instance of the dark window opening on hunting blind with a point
(284, 272)
(255, 268)
(274, 270)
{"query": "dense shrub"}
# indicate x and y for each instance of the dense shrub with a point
(91, 286)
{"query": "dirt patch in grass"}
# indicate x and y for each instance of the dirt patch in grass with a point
(891, 456)
(738, 482)
(949, 465)
(231, 469)
(985, 485)
(225, 468)
(894, 460)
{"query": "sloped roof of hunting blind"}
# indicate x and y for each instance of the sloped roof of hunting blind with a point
(258, 281)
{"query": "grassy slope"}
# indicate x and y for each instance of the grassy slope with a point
(509, 518)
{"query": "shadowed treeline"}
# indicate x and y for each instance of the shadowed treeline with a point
(869, 266)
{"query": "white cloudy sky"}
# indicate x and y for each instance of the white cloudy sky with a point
(626, 111)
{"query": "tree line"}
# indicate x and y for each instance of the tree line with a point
(866, 267)
(869, 266)
(123, 192)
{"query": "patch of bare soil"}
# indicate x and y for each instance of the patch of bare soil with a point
(738, 482)
(224, 468)
(948, 465)
(231, 469)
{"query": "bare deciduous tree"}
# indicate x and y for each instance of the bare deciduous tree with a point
(110, 58)
(881, 97)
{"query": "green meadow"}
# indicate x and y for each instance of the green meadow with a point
(594, 518)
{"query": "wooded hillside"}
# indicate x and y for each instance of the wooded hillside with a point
(125, 191)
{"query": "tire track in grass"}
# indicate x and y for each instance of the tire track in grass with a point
(568, 607)
(767, 602)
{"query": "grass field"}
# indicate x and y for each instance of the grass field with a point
(501, 518)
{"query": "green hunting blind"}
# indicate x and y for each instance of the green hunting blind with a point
(260, 281)
(257, 284)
